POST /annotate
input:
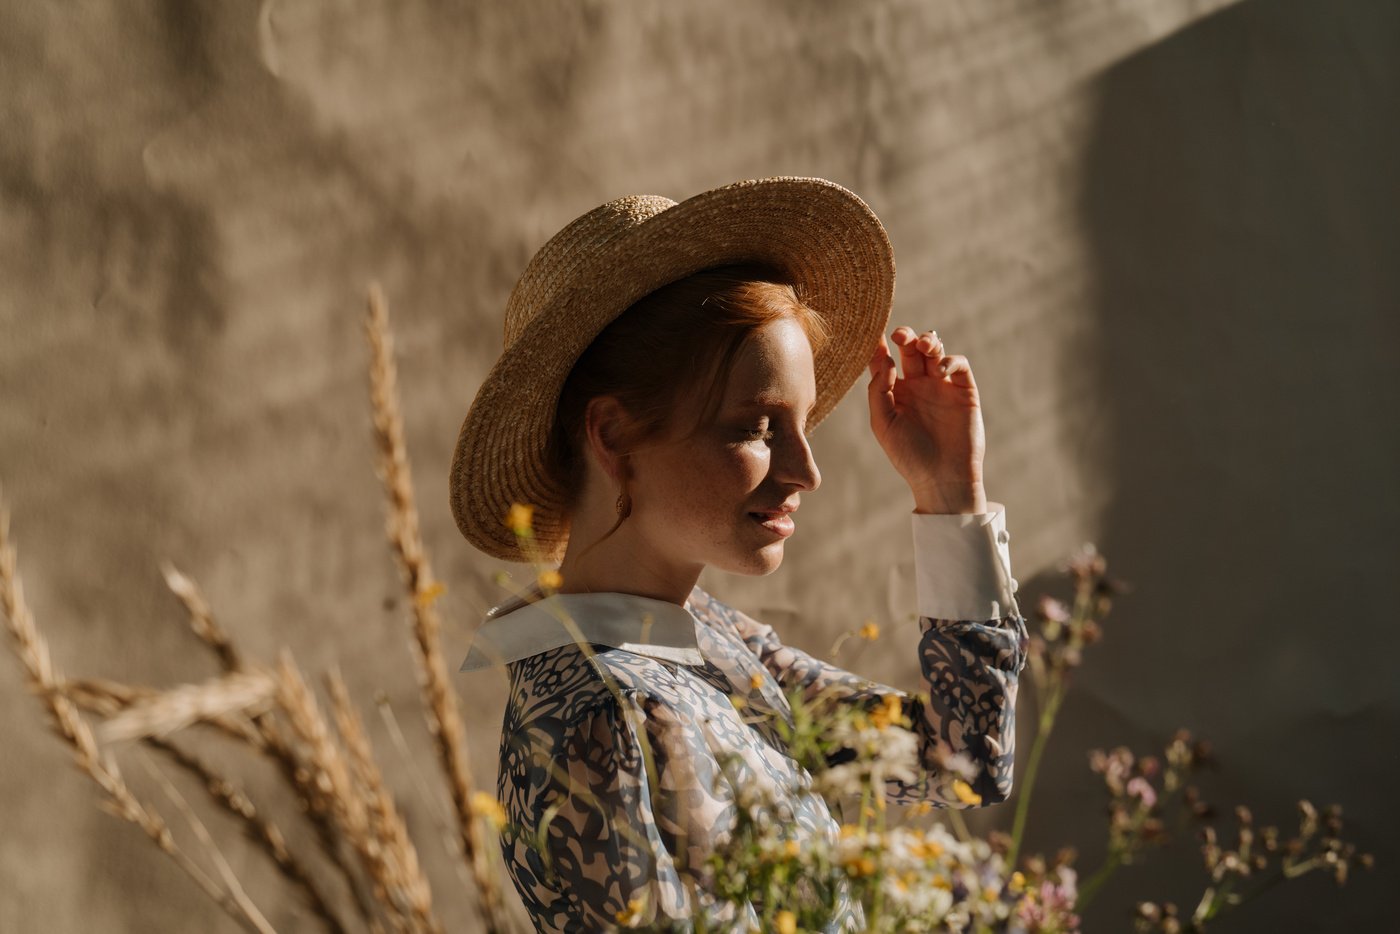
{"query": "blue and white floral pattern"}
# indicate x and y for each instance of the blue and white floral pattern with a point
(614, 827)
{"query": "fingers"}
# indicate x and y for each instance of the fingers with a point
(957, 369)
(882, 377)
(924, 354)
(913, 350)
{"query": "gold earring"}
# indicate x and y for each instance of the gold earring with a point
(624, 505)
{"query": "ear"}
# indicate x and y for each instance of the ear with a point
(604, 420)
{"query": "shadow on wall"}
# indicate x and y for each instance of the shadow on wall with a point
(1241, 203)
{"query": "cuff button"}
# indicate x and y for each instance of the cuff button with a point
(1003, 536)
(1014, 585)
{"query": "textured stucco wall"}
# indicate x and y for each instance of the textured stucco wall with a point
(1163, 232)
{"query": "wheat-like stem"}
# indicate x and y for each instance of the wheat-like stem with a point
(235, 887)
(442, 820)
(202, 619)
(261, 830)
(110, 698)
(263, 733)
(66, 721)
(387, 824)
(331, 776)
(441, 711)
(151, 716)
(176, 708)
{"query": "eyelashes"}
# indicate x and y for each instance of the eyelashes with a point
(763, 434)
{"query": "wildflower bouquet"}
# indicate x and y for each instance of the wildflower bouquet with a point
(914, 874)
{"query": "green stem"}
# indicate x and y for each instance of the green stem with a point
(1023, 802)
(1118, 855)
(1088, 890)
(959, 825)
(1212, 906)
(1217, 899)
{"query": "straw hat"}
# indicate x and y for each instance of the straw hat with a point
(822, 236)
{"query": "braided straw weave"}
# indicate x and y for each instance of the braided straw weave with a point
(824, 237)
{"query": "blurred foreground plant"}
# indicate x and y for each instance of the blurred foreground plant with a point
(326, 762)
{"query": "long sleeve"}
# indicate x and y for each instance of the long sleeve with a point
(972, 648)
(611, 828)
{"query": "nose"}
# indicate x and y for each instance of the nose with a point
(797, 466)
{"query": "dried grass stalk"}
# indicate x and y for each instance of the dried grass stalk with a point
(247, 692)
(109, 698)
(202, 617)
(344, 796)
(444, 720)
(332, 778)
(388, 826)
(201, 833)
(263, 831)
(43, 680)
(264, 734)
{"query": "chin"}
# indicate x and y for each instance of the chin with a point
(758, 563)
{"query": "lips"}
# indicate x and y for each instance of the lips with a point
(778, 522)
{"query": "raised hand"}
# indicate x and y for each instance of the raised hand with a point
(929, 421)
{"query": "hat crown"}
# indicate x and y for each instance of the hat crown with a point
(550, 270)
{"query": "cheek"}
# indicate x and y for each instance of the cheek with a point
(715, 483)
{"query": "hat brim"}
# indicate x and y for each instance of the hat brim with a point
(817, 232)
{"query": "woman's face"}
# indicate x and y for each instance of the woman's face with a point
(694, 499)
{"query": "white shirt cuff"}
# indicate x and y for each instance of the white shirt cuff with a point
(962, 565)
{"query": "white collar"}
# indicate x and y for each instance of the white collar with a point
(649, 626)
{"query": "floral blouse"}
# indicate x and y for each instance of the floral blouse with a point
(614, 831)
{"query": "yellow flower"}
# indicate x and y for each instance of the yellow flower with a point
(632, 914)
(738, 702)
(550, 579)
(965, 793)
(849, 830)
(756, 680)
(428, 594)
(520, 517)
(927, 849)
(870, 630)
(485, 806)
(920, 808)
(891, 712)
(791, 849)
(1018, 881)
(787, 922)
(942, 882)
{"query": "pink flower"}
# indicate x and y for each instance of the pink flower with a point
(1140, 787)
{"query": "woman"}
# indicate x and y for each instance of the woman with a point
(664, 366)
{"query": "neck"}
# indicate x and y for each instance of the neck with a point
(622, 563)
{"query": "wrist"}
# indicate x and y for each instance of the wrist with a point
(951, 500)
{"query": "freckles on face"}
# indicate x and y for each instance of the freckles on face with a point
(752, 457)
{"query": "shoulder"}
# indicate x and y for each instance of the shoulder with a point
(566, 685)
(730, 620)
